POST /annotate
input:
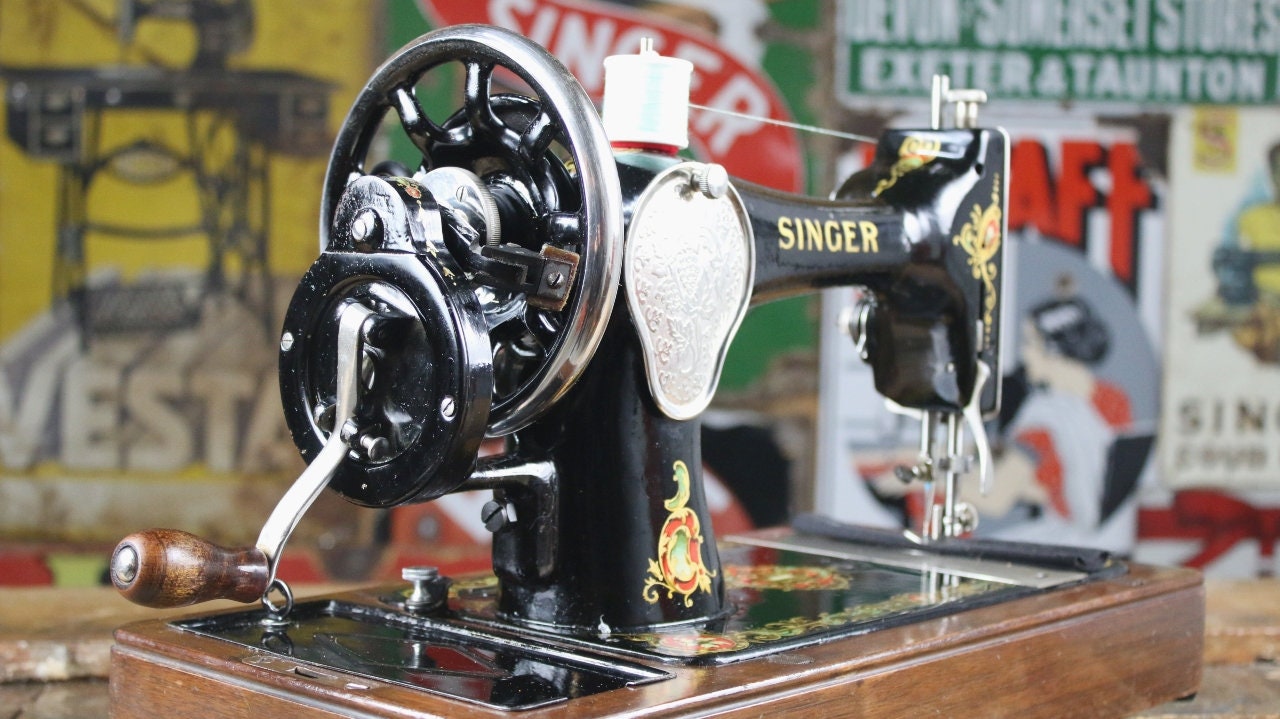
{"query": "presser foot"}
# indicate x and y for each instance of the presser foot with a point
(945, 515)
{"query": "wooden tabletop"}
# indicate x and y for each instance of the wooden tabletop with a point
(55, 647)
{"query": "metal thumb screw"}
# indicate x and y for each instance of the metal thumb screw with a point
(429, 588)
(494, 515)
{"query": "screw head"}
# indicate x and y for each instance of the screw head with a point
(448, 407)
(348, 430)
(555, 280)
(419, 573)
(364, 225)
(494, 515)
(124, 566)
(286, 341)
(429, 589)
(376, 448)
(712, 180)
(323, 414)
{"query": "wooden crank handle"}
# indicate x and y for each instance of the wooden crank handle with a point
(171, 568)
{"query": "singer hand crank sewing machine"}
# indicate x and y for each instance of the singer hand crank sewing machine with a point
(571, 287)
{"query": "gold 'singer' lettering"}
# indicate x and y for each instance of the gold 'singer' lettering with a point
(814, 235)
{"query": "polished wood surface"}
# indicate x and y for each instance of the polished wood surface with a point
(173, 568)
(55, 647)
(1108, 648)
(54, 634)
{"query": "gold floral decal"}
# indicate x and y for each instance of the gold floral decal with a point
(693, 643)
(981, 238)
(472, 584)
(915, 152)
(474, 594)
(783, 577)
(679, 568)
(410, 187)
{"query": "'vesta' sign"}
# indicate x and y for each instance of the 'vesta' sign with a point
(582, 35)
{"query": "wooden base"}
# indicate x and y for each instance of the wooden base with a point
(1106, 648)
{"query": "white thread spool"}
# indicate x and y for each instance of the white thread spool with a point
(646, 99)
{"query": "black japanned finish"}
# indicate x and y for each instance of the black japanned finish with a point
(490, 670)
(932, 318)
(894, 229)
(614, 453)
(428, 396)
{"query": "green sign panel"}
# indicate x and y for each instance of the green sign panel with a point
(1128, 51)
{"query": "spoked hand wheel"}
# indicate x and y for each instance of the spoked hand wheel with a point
(506, 271)
(573, 203)
(460, 302)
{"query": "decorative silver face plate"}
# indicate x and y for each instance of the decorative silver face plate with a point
(689, 267)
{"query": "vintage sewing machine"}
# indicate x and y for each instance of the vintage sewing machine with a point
(574, 293)
(55, 114)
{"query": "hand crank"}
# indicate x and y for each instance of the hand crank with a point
(172, 568)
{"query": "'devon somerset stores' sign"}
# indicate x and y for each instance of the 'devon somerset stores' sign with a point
(1128, 51)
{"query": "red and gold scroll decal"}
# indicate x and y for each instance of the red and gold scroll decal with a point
(980, 238)
(679, 568)
(692, 642)
(783, 577)
(915, 152)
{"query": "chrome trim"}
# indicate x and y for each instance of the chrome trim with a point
(1021, 575)
(689, 266)
(563, 97)
(307, 487)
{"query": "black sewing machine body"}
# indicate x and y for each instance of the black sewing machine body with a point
(606, 462)
(616, 452)
(588, 332)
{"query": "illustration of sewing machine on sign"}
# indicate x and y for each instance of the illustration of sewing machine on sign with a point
(571, 285)
(58, 114)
